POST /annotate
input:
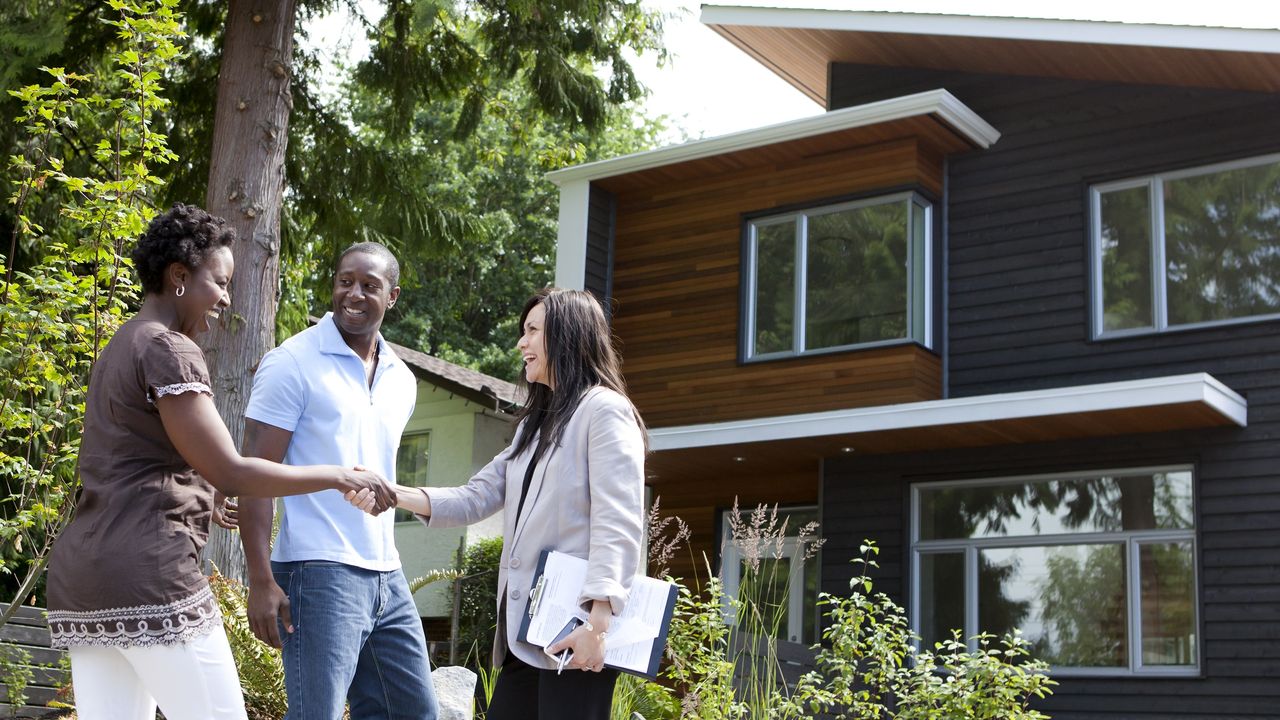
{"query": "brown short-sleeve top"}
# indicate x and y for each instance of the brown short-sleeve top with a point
(126, 571)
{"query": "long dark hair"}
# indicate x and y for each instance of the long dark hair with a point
(579, 348)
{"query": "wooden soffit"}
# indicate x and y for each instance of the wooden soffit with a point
(783, 444)
(800, 45)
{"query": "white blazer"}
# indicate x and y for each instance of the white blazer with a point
(586, 499)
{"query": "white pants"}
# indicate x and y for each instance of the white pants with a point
(196, 680)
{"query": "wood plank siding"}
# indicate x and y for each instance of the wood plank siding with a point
(1018, 304)
(676, 268)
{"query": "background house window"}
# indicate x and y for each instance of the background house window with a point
(778, 572)
(411, 465)
(1187, 248)
(1097, 570)
(838, 277)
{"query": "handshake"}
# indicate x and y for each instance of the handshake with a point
(368, 490)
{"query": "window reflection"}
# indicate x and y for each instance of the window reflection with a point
(1050, 507)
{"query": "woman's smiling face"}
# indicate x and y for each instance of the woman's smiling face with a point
(533, 348)
(205, 296)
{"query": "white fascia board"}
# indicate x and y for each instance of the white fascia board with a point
(933, 102)
(1130, 394)
(571, 237)
(1003, 28)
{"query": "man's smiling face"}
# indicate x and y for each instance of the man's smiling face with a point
(362, 292)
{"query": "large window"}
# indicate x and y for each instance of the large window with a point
(838, 277)
(411, 465)
(1097, 569)
(1188, 248)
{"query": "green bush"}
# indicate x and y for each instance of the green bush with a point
(479, 615)
(869, 667)
(261, 669)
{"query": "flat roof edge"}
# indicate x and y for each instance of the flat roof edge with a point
(1189, 37)
(946, 106)
(1128, 394)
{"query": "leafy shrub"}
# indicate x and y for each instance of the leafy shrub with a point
(261, 669)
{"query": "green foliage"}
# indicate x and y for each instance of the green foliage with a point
(479, 599)
(869, 667)
(261, 669)
(700, 663)
(634, 696)
(16, 673)
(58, 312)
(433, 576)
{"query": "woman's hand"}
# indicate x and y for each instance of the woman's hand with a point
(587, 646)
(410, 498)
(375, 494)
(588, 640)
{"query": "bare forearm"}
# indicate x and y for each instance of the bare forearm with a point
(255, 534)
(413, 499)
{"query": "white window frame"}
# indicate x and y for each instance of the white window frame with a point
(1159, 276)
(1131, 540)
(800, 219)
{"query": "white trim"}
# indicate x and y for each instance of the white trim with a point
(1002, 28)
(933, 102)
(1150, 392)
(571, 242)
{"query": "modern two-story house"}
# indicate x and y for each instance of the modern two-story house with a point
(1010, 308)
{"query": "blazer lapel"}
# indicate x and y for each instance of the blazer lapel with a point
(535, 488)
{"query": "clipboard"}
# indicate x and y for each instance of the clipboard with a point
(637, 637)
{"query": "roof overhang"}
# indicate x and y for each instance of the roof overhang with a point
(780, 444)
(800, 45)
(940, 104)
(935, 114)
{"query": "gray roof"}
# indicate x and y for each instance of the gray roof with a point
(475, 386)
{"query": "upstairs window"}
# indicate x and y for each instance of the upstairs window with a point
(838, 277)
(1188, 248)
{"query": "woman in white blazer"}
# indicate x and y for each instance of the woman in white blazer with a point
(573, 481)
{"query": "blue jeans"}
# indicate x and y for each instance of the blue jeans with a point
(356, 638)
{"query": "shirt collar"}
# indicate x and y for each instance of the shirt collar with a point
(331, 342)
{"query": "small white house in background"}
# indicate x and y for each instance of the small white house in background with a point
(463, 418)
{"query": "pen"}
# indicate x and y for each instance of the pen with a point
(562, 658)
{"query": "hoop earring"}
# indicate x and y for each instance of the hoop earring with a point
(182, 290)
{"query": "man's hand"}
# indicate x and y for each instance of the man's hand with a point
(267, 604)
(383, 492)
(226, 512)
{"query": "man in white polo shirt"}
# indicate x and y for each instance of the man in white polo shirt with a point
(333, 596)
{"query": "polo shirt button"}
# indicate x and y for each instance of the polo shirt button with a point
(515, 563)
(515, 594)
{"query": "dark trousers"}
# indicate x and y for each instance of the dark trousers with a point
(528, 693)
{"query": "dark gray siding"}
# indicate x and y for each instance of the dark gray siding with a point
(1238, 516)
(1018, 302)
(600, 219)
(1017, 240)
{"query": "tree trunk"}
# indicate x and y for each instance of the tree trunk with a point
(246, 185)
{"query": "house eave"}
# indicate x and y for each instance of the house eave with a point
(800, 45)
(939, 103)
(1158, 404)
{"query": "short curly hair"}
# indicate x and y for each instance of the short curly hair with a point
(185, 234)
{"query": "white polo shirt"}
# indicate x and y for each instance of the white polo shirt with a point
(314, 385)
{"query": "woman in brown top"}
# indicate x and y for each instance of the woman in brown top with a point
(125, 590)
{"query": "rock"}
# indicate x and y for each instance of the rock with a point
(455, 691)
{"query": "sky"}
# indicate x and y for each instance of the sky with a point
(710, 88)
